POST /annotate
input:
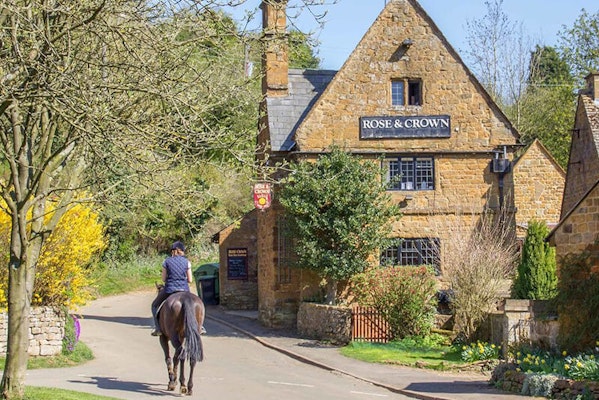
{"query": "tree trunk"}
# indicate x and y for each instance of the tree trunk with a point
(19, 304)
(25, 247)
(331, 295)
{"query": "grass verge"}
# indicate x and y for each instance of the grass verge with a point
(44, 393)
(80, 354)
(407, 353)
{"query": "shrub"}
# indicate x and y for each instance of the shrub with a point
(578, 302)
(537, 277)
(478, 266)
(61, 277)
(538, 384)
(405, 296)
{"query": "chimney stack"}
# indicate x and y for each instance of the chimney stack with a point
(275, 61)
(593, 85)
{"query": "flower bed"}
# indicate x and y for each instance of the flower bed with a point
(506, 377)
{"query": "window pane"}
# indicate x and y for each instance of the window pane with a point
(408, 253)
(413, 252)
(394, 175)
(414, 93)
(409, 173)
(397, 93)
(424, 174)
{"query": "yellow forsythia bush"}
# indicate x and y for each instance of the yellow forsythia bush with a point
(61, 277)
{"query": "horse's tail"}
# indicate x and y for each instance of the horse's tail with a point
(192, 343)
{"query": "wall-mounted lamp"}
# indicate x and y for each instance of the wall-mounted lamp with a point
(409, 197)
(407, 43)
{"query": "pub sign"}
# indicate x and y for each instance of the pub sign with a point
(405, 127)
(262, 195)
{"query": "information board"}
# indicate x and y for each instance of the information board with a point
(237, 263)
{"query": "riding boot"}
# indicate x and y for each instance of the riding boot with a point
(156, 331)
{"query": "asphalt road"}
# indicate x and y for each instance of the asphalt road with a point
(129, 362)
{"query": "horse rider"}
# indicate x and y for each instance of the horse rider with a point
(176, 275)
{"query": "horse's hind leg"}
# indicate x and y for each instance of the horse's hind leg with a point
(184, 389)
(176, 357)
(192, 365)
(169, 363)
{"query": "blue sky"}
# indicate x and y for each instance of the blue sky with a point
(348, 20)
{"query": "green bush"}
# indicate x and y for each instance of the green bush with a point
(405, 296)
(578, 302)
(537, 276)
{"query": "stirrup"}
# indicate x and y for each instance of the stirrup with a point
(156, 332)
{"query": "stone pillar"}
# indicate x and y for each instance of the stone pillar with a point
(516, 323)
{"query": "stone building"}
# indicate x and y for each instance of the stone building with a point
(578, 229)
(538, 187)
(403, 94)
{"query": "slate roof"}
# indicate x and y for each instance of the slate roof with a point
(286, 113)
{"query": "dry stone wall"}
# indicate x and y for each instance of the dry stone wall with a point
(46, 330)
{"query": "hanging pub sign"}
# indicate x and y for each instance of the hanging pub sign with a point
(262, 195)
(402, 127)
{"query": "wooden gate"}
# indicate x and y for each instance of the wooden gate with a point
(368, 325)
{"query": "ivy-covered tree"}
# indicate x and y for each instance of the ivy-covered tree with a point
(537, 271)
(339, 214)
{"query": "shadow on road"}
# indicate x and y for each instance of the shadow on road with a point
(109, 383)
(135, 321)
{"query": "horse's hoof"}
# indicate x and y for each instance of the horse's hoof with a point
(171, 387)
(183, 390)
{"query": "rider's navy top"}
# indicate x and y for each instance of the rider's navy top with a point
(176, 274)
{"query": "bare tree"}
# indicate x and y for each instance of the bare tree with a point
(480, 263)
(499, 53)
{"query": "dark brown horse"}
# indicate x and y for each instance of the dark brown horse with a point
(181, 318)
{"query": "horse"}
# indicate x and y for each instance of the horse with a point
(181, 317)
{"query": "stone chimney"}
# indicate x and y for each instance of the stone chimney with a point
(593, 85)
(275, 61)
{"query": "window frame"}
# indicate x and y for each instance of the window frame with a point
(406, 92)
(408, 173)
(411, 252)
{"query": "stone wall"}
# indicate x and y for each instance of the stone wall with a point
(324, 322)
(578, 232)
(538, 187)
(582, 172)
(46, 330)
(239, 294)
(529, 320)
(563, 389)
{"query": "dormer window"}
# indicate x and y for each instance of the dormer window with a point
(406, 92)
